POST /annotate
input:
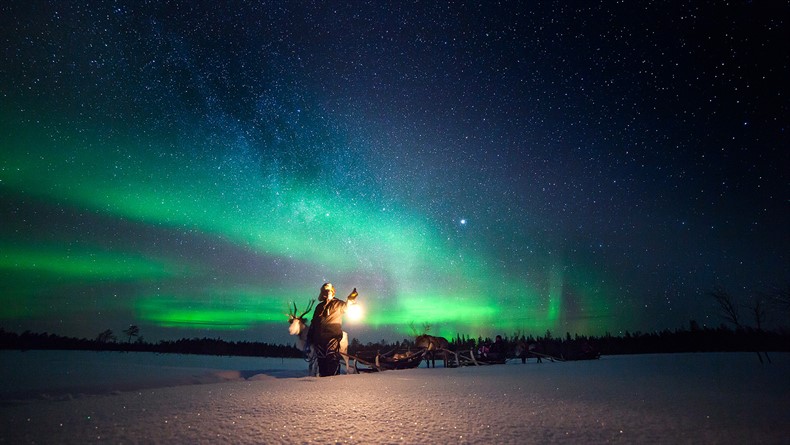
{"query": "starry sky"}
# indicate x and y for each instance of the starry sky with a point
(192, 167)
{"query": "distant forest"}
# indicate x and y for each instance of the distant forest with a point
(106, 341)
(694, 339)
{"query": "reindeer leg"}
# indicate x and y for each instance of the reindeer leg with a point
(344, 351)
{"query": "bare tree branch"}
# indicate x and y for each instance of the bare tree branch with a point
(727, 305)
(757, 309)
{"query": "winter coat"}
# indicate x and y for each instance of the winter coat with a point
(327, 321)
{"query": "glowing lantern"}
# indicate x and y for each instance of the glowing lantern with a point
(354, 312)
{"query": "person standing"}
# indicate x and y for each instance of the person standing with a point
(498, 350)
(326, 330)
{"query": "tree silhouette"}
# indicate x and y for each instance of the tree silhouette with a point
(106, 336)
(730, 313)
(727, 305)
(132, 331)
(757, 309)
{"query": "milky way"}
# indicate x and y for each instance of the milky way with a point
(583, 167)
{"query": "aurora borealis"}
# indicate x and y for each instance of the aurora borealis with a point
(194, 167)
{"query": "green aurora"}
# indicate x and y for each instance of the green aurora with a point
(410, 272)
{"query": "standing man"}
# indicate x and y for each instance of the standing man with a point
(326, 330)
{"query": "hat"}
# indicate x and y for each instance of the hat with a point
(325, 289)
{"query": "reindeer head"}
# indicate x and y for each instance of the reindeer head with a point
(297, 323)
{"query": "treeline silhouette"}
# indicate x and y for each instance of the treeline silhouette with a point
(721, 339)
(206, 346)
(695, 339)
(568, 347)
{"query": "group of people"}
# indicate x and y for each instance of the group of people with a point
(494, 352)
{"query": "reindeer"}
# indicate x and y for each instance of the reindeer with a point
(298, 327)
(433, 345)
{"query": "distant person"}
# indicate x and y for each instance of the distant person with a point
(522, 351)
(497, 350)
(534, 351)
(326, 330)
(483, 350)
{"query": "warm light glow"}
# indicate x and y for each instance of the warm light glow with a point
(354, 312)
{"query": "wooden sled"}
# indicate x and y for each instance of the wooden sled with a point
(392, 360)
(385, 362)
(469, 358)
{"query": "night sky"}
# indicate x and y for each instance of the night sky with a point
(480, 167)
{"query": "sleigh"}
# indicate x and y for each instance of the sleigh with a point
(471, 358)
(377, 362)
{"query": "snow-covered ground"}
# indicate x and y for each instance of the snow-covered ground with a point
(79, 397)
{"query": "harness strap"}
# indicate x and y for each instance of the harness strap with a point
(332, 348)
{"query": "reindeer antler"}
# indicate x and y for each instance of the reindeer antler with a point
(292, 313)
(310, 306)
